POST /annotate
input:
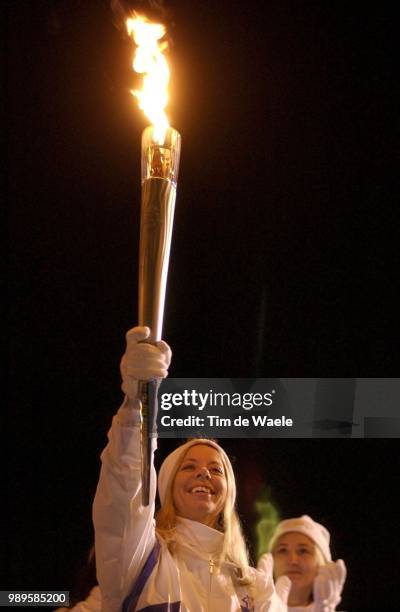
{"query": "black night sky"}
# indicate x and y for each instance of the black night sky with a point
(284, 260)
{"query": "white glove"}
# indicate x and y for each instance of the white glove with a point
(328, 586)
(282, 585)
(142, 361)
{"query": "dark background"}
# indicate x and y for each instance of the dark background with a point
(284, 260)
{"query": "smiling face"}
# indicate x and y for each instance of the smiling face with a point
(296, 556)
(200, 486)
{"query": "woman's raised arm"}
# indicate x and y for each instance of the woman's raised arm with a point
(124, 529)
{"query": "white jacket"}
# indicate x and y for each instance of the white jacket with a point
(126, 539)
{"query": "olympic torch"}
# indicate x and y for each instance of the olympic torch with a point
(160, 164)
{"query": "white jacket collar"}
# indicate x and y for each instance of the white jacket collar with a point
(199, 536)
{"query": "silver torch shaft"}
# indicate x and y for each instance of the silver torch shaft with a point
(160, 166)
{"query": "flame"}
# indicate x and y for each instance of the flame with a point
(150, 61)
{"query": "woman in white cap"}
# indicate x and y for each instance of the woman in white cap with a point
(300, 550)
(192, 557)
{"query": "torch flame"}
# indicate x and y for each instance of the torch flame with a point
(150, 61)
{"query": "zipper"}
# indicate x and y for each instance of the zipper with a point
(211, 565)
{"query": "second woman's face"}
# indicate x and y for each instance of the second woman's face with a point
(295, 556)
(200, 485)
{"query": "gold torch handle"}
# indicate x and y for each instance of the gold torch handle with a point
(159, 174)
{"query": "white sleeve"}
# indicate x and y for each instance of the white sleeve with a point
(124, 529)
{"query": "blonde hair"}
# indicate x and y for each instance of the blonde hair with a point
(234, 548)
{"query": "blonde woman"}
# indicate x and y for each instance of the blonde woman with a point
(192, 556)
(300, 548)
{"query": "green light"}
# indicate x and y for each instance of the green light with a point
(269, 519)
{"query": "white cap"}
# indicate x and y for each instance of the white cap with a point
(175, 458)
(305, 525)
